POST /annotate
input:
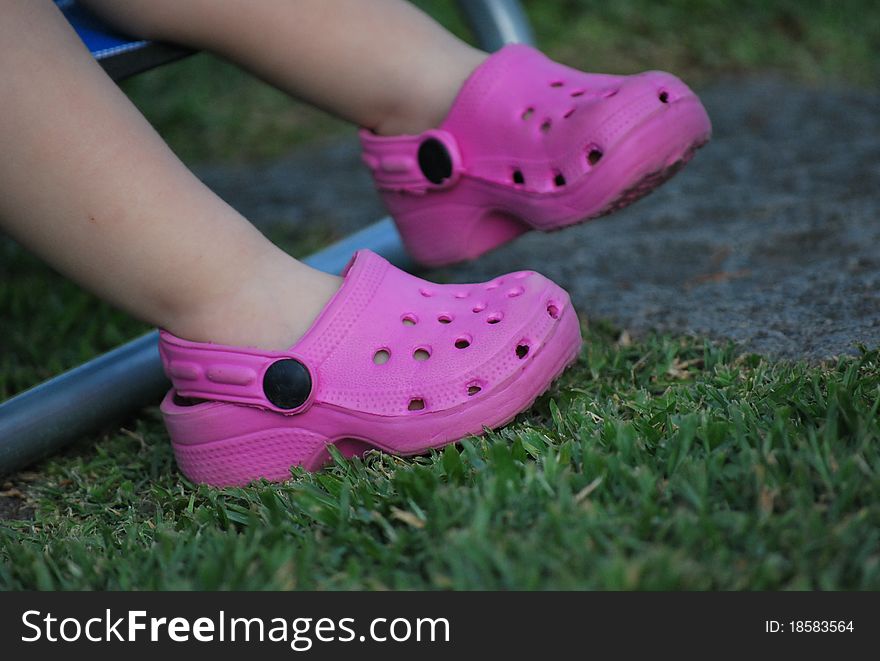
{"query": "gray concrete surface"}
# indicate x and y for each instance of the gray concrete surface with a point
(770, 237)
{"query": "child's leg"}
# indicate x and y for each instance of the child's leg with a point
(395, 362)
(383, 64)
(88, 185)
(524, 142)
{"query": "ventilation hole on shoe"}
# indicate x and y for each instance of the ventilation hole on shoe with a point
(553, 310)
(445, 319)
(427, 293)
(462, 294)
(516, 291)
(569, 113)
(518, 177)
(416, 404)
(421, 354)
(522, 275)
(557, 83)
(473, 389)
(479, 307)
(578, 93)
(594, 156)
(663, 96)
(607, 94)
(494, 318)
(381, 356)
(494, 285)
(546, 125)
(559, 179)
(409, 320)
(527, 114)
(463, 342)
(522, 350)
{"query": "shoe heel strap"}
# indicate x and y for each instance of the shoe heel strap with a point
(277, 381)
(412, 163)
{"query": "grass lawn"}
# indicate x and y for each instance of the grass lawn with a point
(662, 463)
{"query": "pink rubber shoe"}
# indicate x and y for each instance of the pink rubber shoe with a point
(392, 362)
(532, 144)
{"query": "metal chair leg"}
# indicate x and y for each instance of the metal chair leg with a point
(497, 22)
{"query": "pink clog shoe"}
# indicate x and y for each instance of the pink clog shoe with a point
(392, 362)
(532, 144)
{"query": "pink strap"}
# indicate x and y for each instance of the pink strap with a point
(227, 374)
(412, 163)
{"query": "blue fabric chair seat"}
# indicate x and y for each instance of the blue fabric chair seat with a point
(102, 40)
(121, 56)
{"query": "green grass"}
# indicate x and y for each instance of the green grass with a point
(668, 463)
(810, 40)
(663, 464)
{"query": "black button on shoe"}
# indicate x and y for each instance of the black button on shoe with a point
(434, 161)
(287, 383)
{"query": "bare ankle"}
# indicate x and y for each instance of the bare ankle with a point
(270, 310)
(426, 108)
